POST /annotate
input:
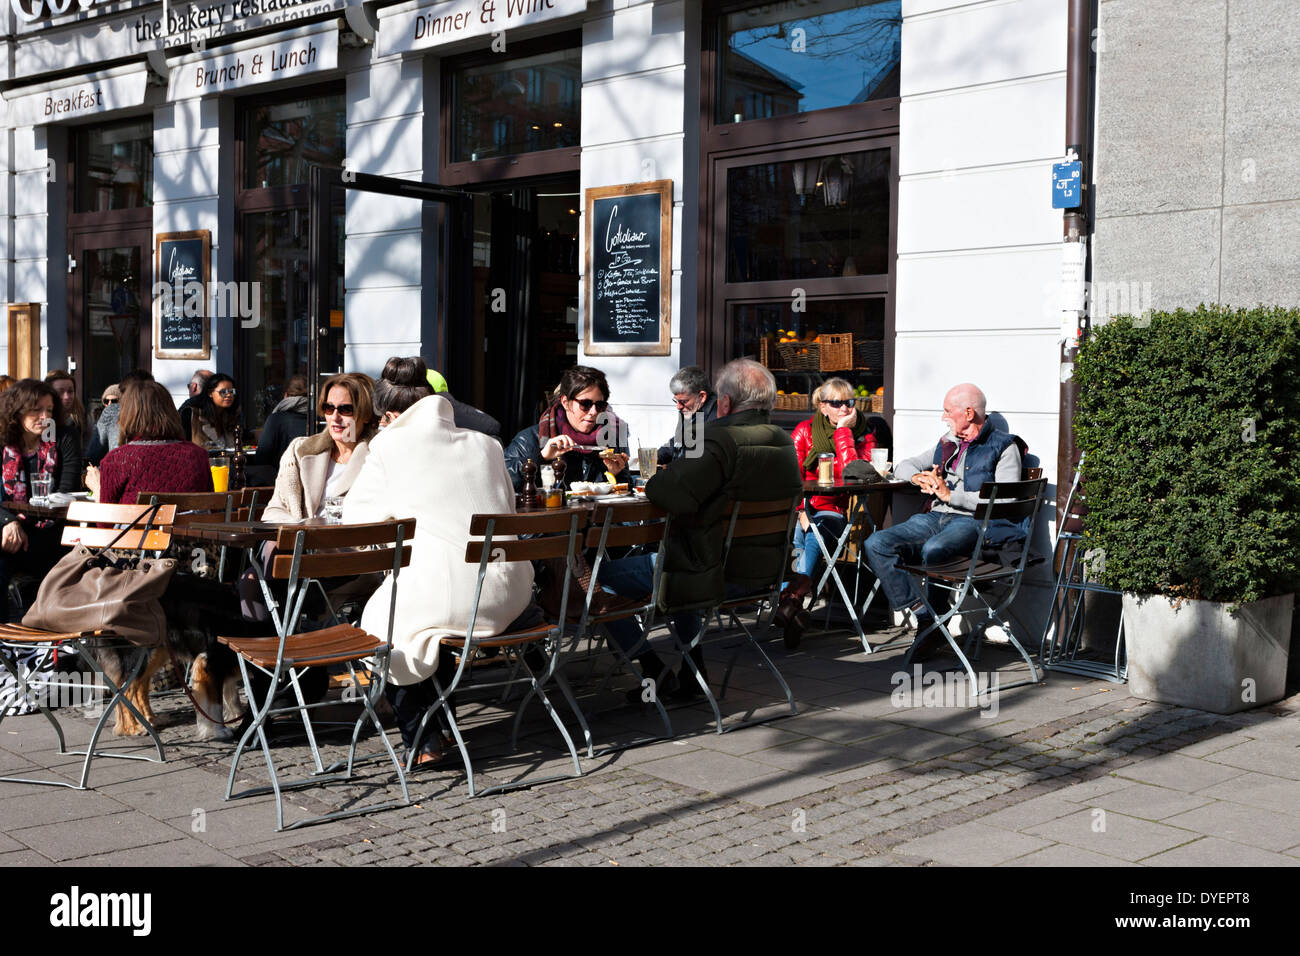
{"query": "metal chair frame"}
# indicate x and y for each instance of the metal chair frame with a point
(1063, 630)
(1018, 500)
(745, 515)
(284, 618)
(16, 637)
(547, 543)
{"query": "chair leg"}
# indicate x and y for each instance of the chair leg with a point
(555, 718)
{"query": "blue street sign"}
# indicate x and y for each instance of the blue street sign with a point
(1067, 185)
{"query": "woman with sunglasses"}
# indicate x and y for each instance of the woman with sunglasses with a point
(579, 426)
(212, 420)
(840, 430)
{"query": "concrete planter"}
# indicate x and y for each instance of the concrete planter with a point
(1203, 657)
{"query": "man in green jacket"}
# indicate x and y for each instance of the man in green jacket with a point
(744, 458)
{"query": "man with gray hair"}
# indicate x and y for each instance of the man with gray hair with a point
(696, 405)
(971, 453)
(743, 457)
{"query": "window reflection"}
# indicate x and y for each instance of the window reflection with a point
(820, 217)
(284, 140)
(834, 53)
(115, 167)
(526, 105)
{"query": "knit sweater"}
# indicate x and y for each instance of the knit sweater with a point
(153, 466)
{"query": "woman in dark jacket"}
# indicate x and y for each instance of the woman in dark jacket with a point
(577, 425)
(287, 422)
(212, 421)
(30, 445)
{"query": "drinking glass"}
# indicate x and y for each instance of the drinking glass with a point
(880, 460)
(646, 460)
(220, 466)
(42, 485)
(333, 506)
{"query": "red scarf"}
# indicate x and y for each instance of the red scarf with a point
(11, 463)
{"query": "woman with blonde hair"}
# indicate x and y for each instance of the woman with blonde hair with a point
(838, 429)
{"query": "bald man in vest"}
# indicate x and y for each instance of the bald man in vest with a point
(969, 454)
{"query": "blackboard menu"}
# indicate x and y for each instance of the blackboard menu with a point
(181, 320)
(629, 256)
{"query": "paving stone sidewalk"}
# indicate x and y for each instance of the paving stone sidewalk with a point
(1070, 772)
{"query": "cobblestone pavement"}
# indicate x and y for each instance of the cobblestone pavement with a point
(1073, 771)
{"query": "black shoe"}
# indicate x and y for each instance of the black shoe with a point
(794, 628)
(924, 648)
(686, 687)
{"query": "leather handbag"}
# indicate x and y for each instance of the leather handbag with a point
(92, 591)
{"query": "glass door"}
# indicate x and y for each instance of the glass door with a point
(110, 331)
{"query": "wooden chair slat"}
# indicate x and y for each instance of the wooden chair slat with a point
(339, 564)
(189, 501)
(621, 536)
(133, 539)
(533, 523)
(756, 527)
(93, 511)
(344, 535)
(529, 549)
(627, 511)
(749, 509)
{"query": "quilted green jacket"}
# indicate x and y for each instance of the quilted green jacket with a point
(744, 458)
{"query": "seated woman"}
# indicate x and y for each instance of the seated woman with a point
(287, 422)
(71, 414)
(211, 423)
(318, 467)
(576, 425)
(32, 445)
(423, 466)
(838, 429)
(155, 457)
(403, 382)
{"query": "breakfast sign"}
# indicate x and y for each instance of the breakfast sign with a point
(629, 269)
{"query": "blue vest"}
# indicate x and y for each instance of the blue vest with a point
(981, 459)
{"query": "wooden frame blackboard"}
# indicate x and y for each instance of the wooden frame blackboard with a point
(628, 282)
(181, 258)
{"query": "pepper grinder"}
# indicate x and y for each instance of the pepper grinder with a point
(558, 466)
(528, 495)
(239, 461)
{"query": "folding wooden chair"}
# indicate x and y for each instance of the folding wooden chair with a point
(550, 536)
(749, 520)
(306, 554)
(146, 531)
(255, 498)
(974, 576)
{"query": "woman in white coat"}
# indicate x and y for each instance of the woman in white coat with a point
(423, 466)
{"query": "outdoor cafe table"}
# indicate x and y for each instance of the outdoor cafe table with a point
(57, 512)
(861, 492)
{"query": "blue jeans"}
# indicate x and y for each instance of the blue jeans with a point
(808, 555)
(931, 538)
(633, 577)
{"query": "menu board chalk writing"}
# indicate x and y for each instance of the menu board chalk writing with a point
(629, 249)
(181, 320)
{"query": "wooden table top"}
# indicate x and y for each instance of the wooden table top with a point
(37, 511)
(855, 487)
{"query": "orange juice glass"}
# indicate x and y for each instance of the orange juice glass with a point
(220, 474)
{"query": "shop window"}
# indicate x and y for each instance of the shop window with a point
(833, 53)
(114, 167)
(819, 217)
(284, 140)
(522, 106)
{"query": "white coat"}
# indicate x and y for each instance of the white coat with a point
(423, 466)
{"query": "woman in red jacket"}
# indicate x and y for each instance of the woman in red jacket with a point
(839, 429)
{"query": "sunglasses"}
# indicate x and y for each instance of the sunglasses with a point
(586, 403)
(110, 401)
(225, 392)
(681, 402)
(347, 410)
(838, 402)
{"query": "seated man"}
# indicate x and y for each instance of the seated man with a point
(744, 457)
(971, 453)
(696, 404)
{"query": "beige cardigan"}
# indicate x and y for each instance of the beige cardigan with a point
(300, 482)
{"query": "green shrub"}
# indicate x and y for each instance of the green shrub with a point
(1192, 469)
